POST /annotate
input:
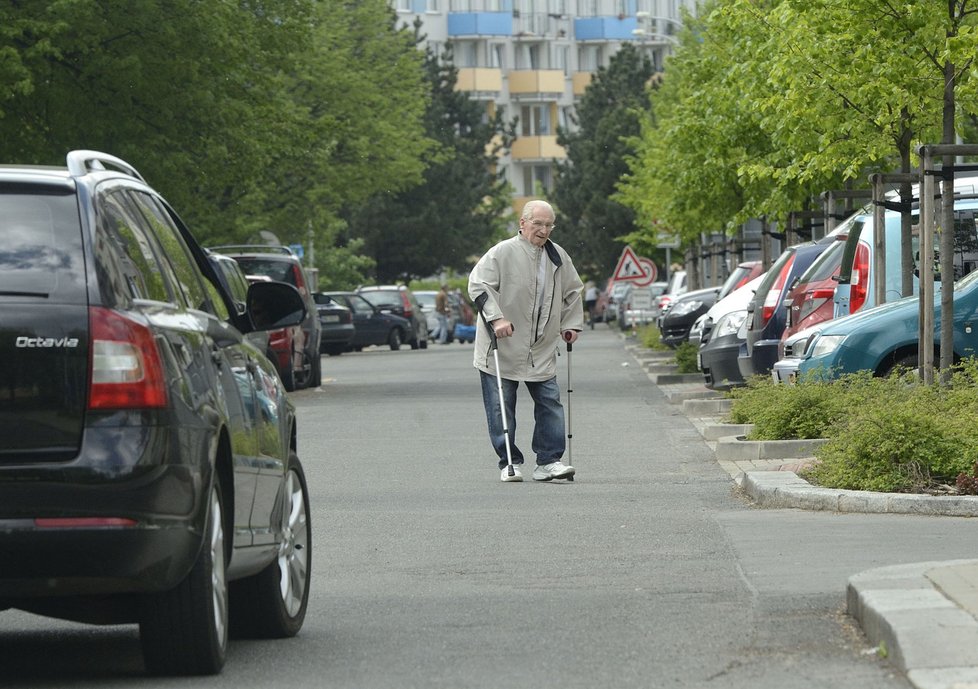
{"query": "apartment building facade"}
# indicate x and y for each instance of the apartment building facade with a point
(533, 59)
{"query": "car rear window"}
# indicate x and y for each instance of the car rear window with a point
(41, 247)
(826, 265)
(382, 297)
(280, 271)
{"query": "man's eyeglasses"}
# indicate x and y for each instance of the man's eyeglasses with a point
(539, 223)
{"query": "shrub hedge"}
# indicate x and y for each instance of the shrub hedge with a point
(884, 434)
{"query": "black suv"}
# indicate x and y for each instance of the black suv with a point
(295, 351)
(148, 468)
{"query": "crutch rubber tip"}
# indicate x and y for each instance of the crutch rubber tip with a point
(512, 470)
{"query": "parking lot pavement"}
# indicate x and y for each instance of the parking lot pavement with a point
(923, 617)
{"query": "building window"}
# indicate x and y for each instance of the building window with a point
(560, 58)
(497, 55)
(403, 5)
(589, 58)
(431, 6)
(587, 8)
(466, 54)
(535, 120)
(537, 180)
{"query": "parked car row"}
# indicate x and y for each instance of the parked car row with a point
(815, 310)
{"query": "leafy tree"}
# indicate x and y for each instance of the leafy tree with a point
(591, 220)
(458, 210)
(248, 116)
(106, 75)
(683, 177)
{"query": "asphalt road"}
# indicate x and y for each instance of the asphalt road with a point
(647, 571)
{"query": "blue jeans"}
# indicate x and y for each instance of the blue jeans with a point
(441, 334)
(548, 419)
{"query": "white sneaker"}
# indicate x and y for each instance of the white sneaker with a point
(548, 472)
(517, 474)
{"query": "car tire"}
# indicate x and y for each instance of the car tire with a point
(272, 604)
(288, 376)
(394, 339)
(423, 344)
(316, 371)
(184, 631)
(906, 363)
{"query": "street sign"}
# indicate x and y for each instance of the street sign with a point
(650, 270)
(638, 270)
(629, 267)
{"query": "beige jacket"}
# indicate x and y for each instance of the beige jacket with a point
(504, 284)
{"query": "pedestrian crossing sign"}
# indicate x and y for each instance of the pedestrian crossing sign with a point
(634, 268)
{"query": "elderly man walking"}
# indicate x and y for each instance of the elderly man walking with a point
(529, 293)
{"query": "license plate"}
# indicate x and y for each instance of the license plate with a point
(699, 361)
(331, 319)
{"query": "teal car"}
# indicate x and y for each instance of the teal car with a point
(885, 337)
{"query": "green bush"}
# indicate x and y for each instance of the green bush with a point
(686, 358)
(884, 434)
(649, 337)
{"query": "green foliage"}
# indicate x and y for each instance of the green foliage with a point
(686, 357)
(590, 220)
(884, 434)
(246, 116)
(650, 338)
(459, 208)
(767, 103)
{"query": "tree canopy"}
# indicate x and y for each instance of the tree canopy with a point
(767, 103)
(247, 116)
(590, 218)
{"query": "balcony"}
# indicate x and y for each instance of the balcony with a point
(480, 24)
(476, 80)
(536, 82)
(580, 81)
(605, 28)
(527, 148)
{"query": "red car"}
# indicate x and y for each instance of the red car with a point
(810, 301)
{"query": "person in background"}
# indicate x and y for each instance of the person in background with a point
(590, 301)
(529, 294)
(441, 312)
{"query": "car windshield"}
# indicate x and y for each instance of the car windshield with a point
(426, 299)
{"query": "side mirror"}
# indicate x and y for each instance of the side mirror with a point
(274, 305)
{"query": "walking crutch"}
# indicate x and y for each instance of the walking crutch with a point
(494, 346)
(570, 390)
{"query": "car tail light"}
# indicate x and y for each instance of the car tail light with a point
(859, 284)
(773, 297)
(408, 311)
(126, 367)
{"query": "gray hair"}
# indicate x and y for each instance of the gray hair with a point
(535, 203)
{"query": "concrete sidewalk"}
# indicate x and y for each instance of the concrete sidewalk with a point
(923, 617)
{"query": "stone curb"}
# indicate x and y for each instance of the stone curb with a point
(781, 489)
(921, 630)
(677, 378)
(680, 394)
(735, 448)
(707, 407)
(716, 431)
